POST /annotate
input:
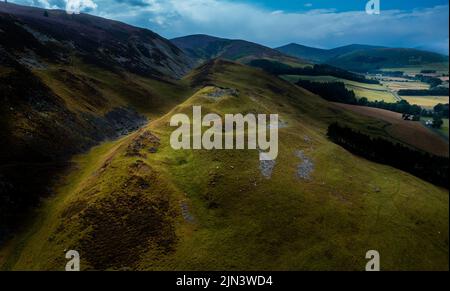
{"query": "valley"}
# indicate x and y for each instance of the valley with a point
(372, 92)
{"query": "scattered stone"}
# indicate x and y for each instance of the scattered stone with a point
(266, 168)
(153, 150)
(305, 168)
(221, 92)
(185, 212)
(143, 140)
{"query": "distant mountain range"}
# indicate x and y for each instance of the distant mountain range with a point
(321, 55)
(202, 47)
(357, 57)
(354, 57)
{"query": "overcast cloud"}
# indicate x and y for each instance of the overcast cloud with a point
(424, 27)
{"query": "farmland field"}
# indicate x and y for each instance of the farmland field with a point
(410, 132)
(373, 95)
(371, 91)
(427, 102)
(440, 68)
(408, 85)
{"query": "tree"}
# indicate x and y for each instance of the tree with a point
(363, 101)
(437, 121)
(441, 110)
(46, 13)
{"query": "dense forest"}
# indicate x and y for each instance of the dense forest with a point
(429, 167)
(331, 91)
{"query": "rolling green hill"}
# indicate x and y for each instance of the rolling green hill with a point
(375, 59)
(363, 58)
(320, 55)
(86, 163)
(318, 207)
(204, 47)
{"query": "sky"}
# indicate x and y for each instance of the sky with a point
(319, 23)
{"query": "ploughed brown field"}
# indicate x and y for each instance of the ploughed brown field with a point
(413, 133)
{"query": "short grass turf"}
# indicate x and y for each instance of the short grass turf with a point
(213, 210)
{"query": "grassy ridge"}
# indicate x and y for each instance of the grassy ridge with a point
(220, 213)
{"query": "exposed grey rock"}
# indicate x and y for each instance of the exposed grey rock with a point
(221, 92)
(185, 212)
(305, 168)
(266, 168)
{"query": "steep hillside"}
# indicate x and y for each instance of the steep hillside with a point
(204, 47)
(139, 204)
(34, 36)
(364, 58)
(375, 59)
(316, 55)
(68, 83)
(320, 55)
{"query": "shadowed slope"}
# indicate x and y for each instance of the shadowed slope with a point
(69, 82)
(204, 47)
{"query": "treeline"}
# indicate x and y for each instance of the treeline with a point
(331, 91)
(401, 106)
(389, 73)
(432, 81)
(436, 91)
(441, 110)
(431, 168)
(337, 92)
(428, 71)
(277, 68)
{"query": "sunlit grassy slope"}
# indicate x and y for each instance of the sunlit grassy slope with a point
(138, 204)
(86, 88)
